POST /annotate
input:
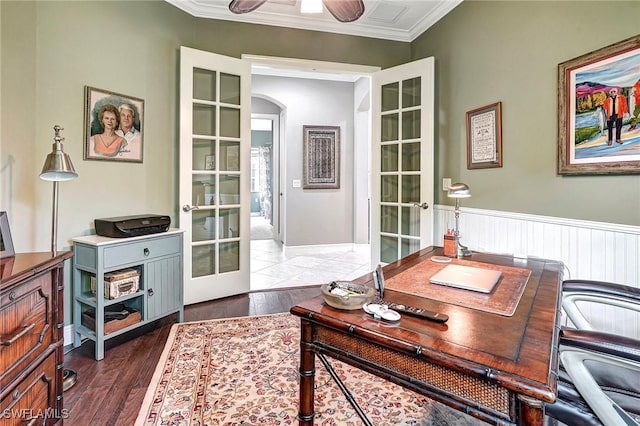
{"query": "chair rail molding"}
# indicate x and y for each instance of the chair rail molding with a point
(589, 250)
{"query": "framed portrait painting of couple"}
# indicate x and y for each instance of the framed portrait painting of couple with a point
(599, 111)
(113, 126)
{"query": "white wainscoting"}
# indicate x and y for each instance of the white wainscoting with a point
(590, 250)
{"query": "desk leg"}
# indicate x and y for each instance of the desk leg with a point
(307, 374)
(531, 411)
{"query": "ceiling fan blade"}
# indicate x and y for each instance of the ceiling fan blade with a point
(244, 6)
(345, 10)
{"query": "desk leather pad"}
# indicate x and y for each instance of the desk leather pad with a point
(503, 300)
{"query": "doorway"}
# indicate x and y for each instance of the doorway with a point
(264, 163)
(298, 97)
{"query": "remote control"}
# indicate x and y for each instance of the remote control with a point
(410, 310)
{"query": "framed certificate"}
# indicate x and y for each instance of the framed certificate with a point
(484, 137)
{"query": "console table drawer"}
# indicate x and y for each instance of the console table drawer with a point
(27, 328)
(140, 251)
(33, 400)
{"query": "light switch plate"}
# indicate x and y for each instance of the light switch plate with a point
(446, 183)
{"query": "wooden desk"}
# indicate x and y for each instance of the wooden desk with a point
(496, 368)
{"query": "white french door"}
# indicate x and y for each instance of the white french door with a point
(215, 143)
(402, 160)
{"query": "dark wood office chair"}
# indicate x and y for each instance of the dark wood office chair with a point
(599, 380)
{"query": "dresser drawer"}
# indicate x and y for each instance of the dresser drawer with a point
(27, 328)
(117, 255)
(33, 399)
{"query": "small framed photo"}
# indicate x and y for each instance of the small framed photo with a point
(484, 137)
(209, 162)
(6, 243)
(233, 157)
(113, 126)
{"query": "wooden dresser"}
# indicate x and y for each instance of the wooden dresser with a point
(32, 338)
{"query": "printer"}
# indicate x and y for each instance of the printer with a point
(132, 226)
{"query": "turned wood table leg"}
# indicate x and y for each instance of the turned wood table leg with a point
(531, 411)
(307, 374)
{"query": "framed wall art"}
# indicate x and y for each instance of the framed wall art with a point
(484, 137)
(598, 111)
(113, 126)
(321, 157)
(6, 243)
(210, 162)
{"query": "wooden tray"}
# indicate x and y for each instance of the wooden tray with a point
(113, 324)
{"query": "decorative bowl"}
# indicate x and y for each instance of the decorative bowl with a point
(347, 295)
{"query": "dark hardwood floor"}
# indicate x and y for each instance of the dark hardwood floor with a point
(110, 391)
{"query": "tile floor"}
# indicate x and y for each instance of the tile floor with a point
(273, 266)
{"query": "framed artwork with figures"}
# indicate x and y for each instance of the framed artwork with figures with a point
(113, 126)
(599, 111)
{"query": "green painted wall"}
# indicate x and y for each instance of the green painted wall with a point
(509, 51)
(49, 51)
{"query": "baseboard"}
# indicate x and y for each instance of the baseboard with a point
(68, 335)
(319, 248)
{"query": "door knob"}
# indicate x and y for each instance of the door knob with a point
(188, 208)
(423, 206)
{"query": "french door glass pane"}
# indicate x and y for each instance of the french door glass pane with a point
(229, 256)
(411, 157)
(411, 92)
(230, 156)
(389, 189)
(203, 190)
(230, 122)
(388, 249)
(409, 246)
(230, 89)
(390, 96)
(229, 189)
(204, 119)
(411, 188)
(411, 221)
(203, 154)
(389, 131)
(389, 158)
(204, 84)
(229, 223)
(203, 223)
(389, 219)
(203, 260)
(411, 124)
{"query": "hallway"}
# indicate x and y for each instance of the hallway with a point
(275, 267)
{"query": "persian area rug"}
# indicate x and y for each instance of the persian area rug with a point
(244, 371)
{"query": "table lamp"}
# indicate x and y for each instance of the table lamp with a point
(457, 191)
(57, 168)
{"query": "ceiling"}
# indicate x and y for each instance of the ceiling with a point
(397, 20)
